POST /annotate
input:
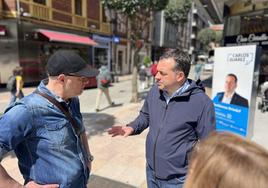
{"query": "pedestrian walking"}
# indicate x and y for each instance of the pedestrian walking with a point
(198, 68)
(15, 85)
(45, 129)
(153, 69)
(178, 114)
(227, 160)
(103, 84)
(142, 77)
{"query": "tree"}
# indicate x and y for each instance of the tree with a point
(139, 13)
(206, 36)
(147, 61)
(218, 37)
(176, 12)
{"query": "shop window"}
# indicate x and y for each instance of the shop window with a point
(101, 57)
(43, 2)
(78, 7)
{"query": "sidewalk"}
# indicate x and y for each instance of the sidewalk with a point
(115, 164)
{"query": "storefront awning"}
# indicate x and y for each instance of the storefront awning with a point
(55, 36)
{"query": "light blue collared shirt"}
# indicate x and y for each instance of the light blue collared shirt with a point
(183, 88)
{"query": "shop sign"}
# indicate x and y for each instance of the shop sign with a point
(255, 39)
(116, 39)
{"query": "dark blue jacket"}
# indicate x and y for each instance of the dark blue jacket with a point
(174, 128)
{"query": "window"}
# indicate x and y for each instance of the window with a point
(78, 7)
(43, 2)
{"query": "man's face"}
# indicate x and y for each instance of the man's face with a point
(230, 84)
(167, 78)
(74, 85)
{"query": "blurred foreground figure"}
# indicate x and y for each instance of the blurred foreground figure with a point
(225, 160)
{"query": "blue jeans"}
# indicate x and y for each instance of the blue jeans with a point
(153, 182)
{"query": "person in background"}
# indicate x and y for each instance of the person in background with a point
(103, 84)
(143, 77)
(17, 92)
(198, 68)
(153, 69)
(225, 160)
(178, 114)
(51, 147)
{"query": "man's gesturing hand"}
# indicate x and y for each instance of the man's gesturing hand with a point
(121, 130)
(32, 184)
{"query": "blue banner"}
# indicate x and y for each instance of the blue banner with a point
(231, 118)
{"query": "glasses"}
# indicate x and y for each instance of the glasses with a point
(81, 78)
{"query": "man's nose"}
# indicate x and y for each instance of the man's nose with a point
(157, 76)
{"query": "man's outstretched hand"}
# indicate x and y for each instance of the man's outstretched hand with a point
(121, 131)
(32, 184)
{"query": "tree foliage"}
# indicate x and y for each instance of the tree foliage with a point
(139, 13)
(147, 61)
(177, 11)
(206, 35)
(133, 7)
(218, 37)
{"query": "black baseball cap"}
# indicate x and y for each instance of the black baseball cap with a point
(69, 62)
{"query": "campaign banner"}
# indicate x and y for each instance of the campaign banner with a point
(233, 82)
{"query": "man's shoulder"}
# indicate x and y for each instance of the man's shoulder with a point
(239, 100)
(33, 100)
(240, 97)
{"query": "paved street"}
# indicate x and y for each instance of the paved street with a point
(119, 162)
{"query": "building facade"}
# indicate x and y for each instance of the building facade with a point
(31, 30)
(202, 14)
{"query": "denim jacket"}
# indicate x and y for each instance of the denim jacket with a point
(44, 141)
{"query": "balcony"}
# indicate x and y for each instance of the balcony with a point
(40, 12)
(79, 21)
(105, 28)
(45, 12)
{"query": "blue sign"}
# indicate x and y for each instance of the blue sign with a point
(231, 118)
(232, 92)
(116, 39)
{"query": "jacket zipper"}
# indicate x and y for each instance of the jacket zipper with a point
(157, 139)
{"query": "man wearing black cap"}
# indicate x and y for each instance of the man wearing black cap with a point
(46, 131)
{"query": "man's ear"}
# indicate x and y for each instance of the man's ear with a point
(61, 78)
(180, 76)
